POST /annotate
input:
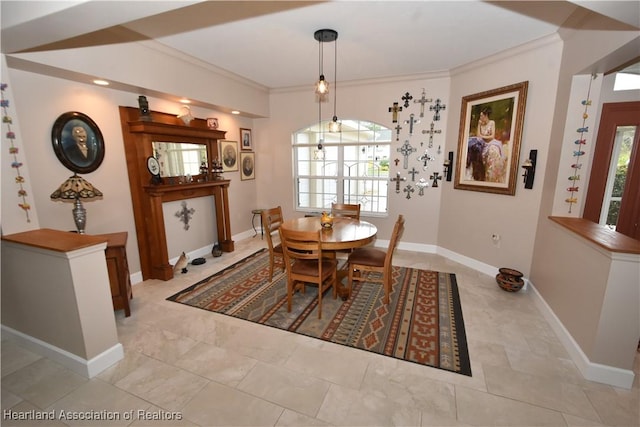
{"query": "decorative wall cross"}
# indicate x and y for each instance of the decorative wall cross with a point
(422, 184)
(437, 107)
(185, 214)
(412, 121)
(397, 180)
(425, 159)
(406, 98)
(394, 110)
(413, 173)
(406, 151)
(435, 177)
(423, 101)
(408, 189)
(398, 128)
(431, 131)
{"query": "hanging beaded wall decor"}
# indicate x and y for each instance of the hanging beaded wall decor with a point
(13, 152)
(578, 151)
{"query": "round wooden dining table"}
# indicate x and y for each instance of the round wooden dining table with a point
(346, 233)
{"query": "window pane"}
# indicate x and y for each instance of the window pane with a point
(312, 162)
(316, 193)
(617, 174)
(352, 167)
(371, 194)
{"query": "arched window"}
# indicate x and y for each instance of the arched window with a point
(351, 166)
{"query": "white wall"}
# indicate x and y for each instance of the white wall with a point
(294, 110)
(39, 100)
(469, 218)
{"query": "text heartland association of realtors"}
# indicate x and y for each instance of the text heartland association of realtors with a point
(140, 414)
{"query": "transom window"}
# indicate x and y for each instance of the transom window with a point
(351, 166)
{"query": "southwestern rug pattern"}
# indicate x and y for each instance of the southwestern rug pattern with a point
(422, 323)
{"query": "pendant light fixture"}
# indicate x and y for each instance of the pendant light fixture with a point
(322, 86)
(335, 126)
(323, 36)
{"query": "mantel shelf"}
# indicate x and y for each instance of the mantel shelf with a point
(167, 188)
(169, 193)
(193, 131)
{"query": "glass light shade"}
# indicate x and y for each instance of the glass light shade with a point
(322, 86)
(335, 125)
(76, 187)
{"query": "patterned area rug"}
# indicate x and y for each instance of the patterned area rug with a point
(422, 322)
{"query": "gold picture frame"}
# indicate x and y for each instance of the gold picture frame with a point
(229, 155)
(489, 139)
(248, 166)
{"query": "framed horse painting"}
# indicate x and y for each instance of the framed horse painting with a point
(489, 139)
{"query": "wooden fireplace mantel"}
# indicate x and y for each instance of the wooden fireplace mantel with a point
(138, 136)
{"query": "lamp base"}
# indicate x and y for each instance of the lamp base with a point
(79, 215)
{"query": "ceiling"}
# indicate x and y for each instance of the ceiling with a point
(271, 43)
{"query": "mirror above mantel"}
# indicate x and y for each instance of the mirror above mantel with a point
(180, 158)
(140, 135)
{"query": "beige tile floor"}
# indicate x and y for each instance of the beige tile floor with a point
(208, 369)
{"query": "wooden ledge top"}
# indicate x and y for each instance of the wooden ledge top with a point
(54, 240)
(602, 236)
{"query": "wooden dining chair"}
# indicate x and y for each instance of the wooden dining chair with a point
(363, 261)
(271, 221)
(305, 263)
(346, 209)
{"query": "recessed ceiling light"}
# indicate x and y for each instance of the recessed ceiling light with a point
(235, 112)
(101, 82)
(185, 101)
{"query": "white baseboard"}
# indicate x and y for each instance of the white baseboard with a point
(597, 372)
(87, 368)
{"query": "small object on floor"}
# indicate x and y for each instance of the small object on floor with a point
(216, 251)
(198, 261)
(510, 280)
(181, 264)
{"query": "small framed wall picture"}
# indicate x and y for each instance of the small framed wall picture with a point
(212, 123)
(229, 154)
(246, 142)
(248, 166)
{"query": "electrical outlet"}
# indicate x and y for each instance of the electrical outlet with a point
(495, 238)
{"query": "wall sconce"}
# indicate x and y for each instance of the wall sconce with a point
(529, 167)
(448, 166)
